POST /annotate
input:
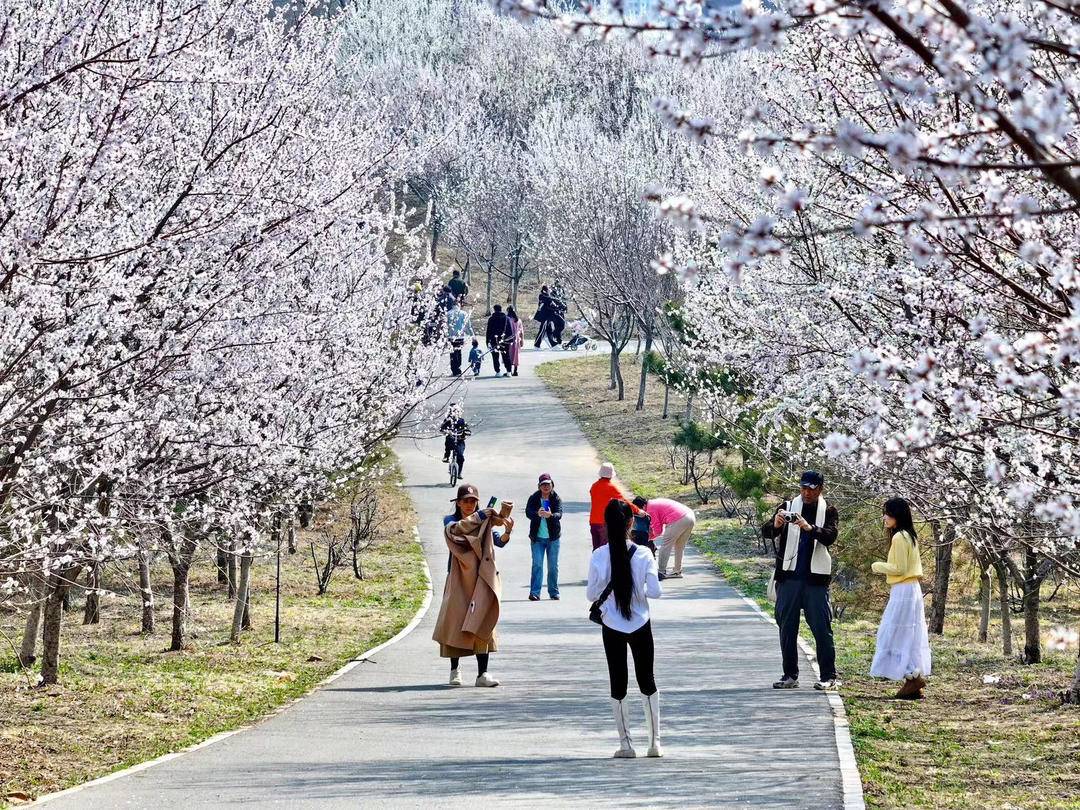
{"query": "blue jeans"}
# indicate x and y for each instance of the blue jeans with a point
(538, 549)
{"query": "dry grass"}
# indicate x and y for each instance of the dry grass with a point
(122, 699)
(970, 744)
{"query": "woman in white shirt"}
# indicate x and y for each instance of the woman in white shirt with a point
(625, 576)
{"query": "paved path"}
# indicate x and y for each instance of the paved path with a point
(390, 733)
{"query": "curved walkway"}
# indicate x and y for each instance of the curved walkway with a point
(390, 733)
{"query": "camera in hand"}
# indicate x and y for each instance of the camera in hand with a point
(791, 517)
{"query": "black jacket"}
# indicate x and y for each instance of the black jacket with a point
(499, 330)
(554, 522)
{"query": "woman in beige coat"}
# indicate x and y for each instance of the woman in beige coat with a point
(470, 603)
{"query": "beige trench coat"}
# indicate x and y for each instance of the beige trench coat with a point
(470, 604)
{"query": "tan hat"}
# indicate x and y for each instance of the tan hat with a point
(607, 470)
(466, 491)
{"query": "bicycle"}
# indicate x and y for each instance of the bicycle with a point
(455, 468)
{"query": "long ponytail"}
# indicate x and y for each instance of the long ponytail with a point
(617, 519)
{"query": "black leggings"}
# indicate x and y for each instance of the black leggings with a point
(481, 663)
(641, 647)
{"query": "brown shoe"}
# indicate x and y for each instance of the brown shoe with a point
(911, 689)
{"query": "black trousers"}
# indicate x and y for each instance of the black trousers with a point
(455, 359)
(545, 330)
(640, 643)
(797, 596)
(500, 353)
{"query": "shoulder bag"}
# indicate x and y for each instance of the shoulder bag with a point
(594, 609)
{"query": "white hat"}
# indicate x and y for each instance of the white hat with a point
(607, 470)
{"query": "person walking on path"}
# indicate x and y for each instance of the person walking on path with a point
(903, 646)
(458, 327)
(476, 357)
(517, 340)
(805, 527)
(470, 604)
(623, 577)
(499, 333)
(544, 511)
(600, 493)
(458, 287)
(671, 524)
(545, 314)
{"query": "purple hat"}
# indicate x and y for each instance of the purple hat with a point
(545, 479)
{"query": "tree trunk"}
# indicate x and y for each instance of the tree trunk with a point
(985, 589)
(943, 548)
(1006, 615)
(490, 280)
(180, 608)
(28, 648)
(667, 396)
(59, 582)
(640, 406)
(1032, 603)
(231, 569)
(222, 562)
(241, 597)
(146, 591)
(92, 610)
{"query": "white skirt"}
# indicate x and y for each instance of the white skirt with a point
(903, 649)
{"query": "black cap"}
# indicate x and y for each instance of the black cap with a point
(466, 491)
(812, 478)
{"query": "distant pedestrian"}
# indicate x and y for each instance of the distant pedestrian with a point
(600, 493)
(458, 327)
(671, 524)
(499, 333)
(641, 530)
(544, 511)
(517, 340)
(458, 287)
(805, 526)
(476, 356)
(545, 314)
(470, 604)
(623, 577)
(558, 313)
(903, 647)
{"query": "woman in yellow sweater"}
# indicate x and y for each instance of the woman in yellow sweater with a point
(903, 649)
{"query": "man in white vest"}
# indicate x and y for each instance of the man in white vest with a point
(804, 528)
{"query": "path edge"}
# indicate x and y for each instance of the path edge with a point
(343, 670)
(850, 781)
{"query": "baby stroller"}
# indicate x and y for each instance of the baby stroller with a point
(578, 338)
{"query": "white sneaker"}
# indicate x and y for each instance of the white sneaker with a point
(455, 677)
(486, 680)
(828, 686)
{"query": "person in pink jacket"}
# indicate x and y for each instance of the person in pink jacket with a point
(517, 340)
(672, 525)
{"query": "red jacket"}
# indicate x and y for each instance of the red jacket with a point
(602, 493)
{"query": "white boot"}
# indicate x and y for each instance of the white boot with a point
(652, 722)
(455, 677)
(622, 723)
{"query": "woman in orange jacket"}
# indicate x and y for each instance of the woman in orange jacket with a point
(602, 492)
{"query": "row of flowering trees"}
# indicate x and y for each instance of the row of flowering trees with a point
(210, 300)
(883, 217)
